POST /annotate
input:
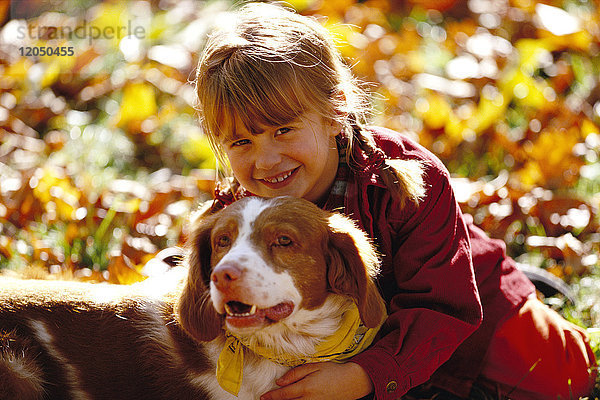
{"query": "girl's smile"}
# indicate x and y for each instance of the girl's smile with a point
(299, 159)
(280, 180)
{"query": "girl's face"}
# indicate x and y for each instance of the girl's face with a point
(299, 159)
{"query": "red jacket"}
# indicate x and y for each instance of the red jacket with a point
(434, 298)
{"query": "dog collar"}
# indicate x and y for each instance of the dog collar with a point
(351, 338)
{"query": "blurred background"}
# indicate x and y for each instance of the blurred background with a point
(102, 158)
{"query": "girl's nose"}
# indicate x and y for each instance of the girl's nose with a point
(267, 158)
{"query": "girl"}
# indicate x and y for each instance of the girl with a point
(279, 104)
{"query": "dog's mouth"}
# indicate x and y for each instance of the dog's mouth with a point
(242, 315)
(238, 309)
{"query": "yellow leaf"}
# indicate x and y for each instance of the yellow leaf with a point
(490, 109)
(57, 194)
(581, 40)
(525, 89)
(531, 51)
(301, 5)
(525, 5)
(347, 38)
(588, 127)
(531, 175)
(416, 62)
(122, 271)
(51, 74)
(159, 26)
(167, 112)
(335, 7)
(112, 23)
(454, 128)
(18, 70)
(197, 151)
(138, 103)
(128, 206)
(434, 110)
(553, 148)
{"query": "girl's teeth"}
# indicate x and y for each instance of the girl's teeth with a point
(278, 179)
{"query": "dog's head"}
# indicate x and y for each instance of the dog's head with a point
(259, 261)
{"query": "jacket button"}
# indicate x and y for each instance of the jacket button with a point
(391, 386)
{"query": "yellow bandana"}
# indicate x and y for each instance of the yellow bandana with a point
(350, 339)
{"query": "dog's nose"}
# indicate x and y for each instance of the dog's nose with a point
(225, 275)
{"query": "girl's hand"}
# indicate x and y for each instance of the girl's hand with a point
(327, 380)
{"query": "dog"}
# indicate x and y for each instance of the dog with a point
(266, 284)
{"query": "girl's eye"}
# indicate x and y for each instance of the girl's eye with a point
(240, 142)
(223, 241)
(283, 241)
(281, 131)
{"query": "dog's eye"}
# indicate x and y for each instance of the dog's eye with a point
(284, 241)
(223, 241)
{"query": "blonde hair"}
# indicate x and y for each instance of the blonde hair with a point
(267, 66)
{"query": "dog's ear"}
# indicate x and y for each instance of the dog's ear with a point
(352, 266)
(195, 309)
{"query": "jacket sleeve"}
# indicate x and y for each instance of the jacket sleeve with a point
(429, 280)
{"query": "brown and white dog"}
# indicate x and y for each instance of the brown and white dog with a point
(279, 272)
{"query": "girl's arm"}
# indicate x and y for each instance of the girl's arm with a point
(434, 303)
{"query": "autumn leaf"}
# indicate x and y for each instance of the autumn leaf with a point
(122, 271)
(137, 104)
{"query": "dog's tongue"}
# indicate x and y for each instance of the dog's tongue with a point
(254, 320)
(279, 312)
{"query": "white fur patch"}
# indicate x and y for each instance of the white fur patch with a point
(252, 209)
(45, 337)
(157, 287)
(108, 294)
